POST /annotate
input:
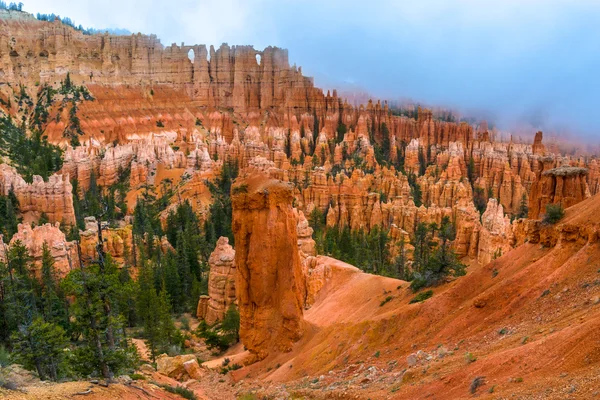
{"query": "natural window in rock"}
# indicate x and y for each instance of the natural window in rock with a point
(191, 55)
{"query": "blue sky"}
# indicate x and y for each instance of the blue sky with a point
(519, 61)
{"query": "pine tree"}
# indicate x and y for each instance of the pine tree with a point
(104, 350)
(41, 345)
(231, 323)
(55, 303)
(523, 207)
(154, 313)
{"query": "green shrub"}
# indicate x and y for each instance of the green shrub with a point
(387, 300)
(137, 377)
(478, 381)
(470, 358)
(4, 357)
(554, 213)
(243, 188)
(180, 390)
(421, 297)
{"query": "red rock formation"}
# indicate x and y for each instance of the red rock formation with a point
(495, 235)
(118, 242)
(538, 147)
(54, 198)
(269, 283)
(564, 185)
(221, 281)
(63, 251)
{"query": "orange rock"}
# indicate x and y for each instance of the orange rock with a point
(193, 369)
(63, 252)
(564, 185)
(270, 281)
(173, 367)
(221, 281)
(53, 198)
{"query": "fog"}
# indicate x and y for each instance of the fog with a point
(522, 63)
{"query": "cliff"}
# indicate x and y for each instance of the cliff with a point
(564, 185)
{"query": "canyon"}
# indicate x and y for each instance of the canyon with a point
(175, 117)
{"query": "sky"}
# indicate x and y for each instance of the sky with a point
(518, 62)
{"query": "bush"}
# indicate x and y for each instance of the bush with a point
(478, 381)
(421, 297)
(387, 300)
(180, 390)
(185, 323)
(4, 357)
(243, 188)
(554, 213)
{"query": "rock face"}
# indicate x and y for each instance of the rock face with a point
(53, 198)
(117, 241)
(221, 281)
(63, 252)
(564, 185)
(495, 235)
(237, 77)
(269, 283)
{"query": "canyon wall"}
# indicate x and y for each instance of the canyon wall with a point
(236, 77)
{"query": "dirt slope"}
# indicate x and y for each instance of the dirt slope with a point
(527, 324)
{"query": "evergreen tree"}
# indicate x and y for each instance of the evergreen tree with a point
(422, 162)
(415, 189)
(471, 171)
(523, 207)
(55, 303)
(154, 313)
(9, 208)
(231, 323)
(41, 345)
(104, 351)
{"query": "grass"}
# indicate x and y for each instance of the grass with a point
(137, 377)
(421, 297)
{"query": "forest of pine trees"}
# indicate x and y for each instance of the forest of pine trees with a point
(82, 325)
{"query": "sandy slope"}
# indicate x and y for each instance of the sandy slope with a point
(529, 320)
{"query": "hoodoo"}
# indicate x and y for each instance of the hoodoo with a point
(269, 279)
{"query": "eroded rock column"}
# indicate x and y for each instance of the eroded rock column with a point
(221, 281)
(269, 283)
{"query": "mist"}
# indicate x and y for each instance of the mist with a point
(530, 64)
